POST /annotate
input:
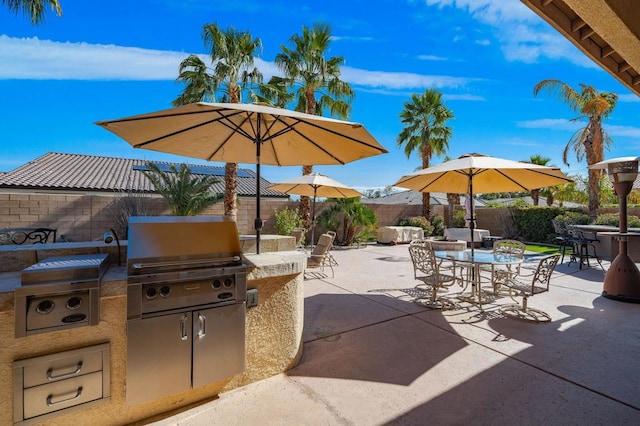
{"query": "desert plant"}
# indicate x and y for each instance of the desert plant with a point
(186, 194)
(128, 204)
(287, 220)
(354, 216)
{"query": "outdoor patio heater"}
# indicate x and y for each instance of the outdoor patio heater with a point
(622, 280)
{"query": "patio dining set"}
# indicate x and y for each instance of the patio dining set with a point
(498, 273)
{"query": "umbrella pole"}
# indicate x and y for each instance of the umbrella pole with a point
(473, 212)
(257, 224)
(313, 215)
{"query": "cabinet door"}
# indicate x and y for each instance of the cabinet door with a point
(218, 343)
(158, 357)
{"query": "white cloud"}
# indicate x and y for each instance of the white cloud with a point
(550, 123)
(34, 59)
(630, 97)
(431, 58)
(524, 36)
(624, 131)
(563, 124)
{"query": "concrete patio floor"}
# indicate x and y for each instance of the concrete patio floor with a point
(374, 356)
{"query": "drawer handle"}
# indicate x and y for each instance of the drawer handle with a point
(74, 395)
(51, 376)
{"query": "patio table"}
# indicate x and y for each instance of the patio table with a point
(474, 261)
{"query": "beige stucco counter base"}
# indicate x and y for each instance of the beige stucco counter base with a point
(273, 342)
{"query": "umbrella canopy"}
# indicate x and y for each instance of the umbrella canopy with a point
(247, 133)
(315, 185)
(476, 173)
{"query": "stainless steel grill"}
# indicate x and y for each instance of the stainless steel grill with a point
(186, 292)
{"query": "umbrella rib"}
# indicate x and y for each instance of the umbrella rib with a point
(195, 126)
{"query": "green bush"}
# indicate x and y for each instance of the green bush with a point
(458, 219)
(613, 219)
(287, 220)
(576, 217)
(438, 225)
(534, 223)
(418, 221)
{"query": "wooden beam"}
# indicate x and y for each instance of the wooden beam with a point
(624, 66)
(606, 51)
(635, 80)
(546, 2)
(586, 32)
(576, 24)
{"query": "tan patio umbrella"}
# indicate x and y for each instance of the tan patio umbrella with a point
(247, 133)
(315, 185)
(477, 173)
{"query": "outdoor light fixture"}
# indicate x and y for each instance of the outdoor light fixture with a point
(109, 236)
(622, 281)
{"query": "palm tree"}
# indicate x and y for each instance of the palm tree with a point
(35, 9)
(233, 73)
(591, 140)
(425, 131)
(315, 81)
(540, 161)
(187, 195)
(354, 215)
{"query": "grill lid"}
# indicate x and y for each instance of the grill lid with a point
(179, 242)
(83, 267)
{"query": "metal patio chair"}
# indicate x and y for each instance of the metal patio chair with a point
(427, 270)
(528, 286)
(320, 257)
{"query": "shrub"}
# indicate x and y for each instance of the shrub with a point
(438, 225)
(418, 221)
(287, 220)
(534, 223)
(613, 219)
(458, 219)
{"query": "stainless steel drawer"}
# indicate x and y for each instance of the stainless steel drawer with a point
(64, 367)
(63, 394)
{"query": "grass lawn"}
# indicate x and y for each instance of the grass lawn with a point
(542, 249)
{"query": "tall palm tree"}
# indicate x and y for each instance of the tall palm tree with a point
(315, 81)
(233, 73)
(590, 141)
(425, 131)
(34, 9)
(540, 161)
(186, 194)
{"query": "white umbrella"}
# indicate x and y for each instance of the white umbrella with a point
(315, 185)
(476, 173)
(247, 133)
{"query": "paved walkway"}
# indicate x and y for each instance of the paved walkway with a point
(373, 356)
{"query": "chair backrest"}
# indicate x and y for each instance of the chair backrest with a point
(423, 258)
(298, 234)
(542, 276)
(512, 247)
(418, 243)
(322, 248)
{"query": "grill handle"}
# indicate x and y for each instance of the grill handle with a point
(203, 326)
(222, 260)
(183, 328)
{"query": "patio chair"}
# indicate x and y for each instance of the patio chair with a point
(564, 238)
(298, 234)
(320, 256)
(528, 286)
(583, 247)
(501, 272)
(427, 269)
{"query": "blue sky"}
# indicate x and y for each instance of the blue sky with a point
(103, 61)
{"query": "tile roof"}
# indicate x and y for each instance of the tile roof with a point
(412, 197)
(79, 172)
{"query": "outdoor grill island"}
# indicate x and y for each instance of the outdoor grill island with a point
(259, 341)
